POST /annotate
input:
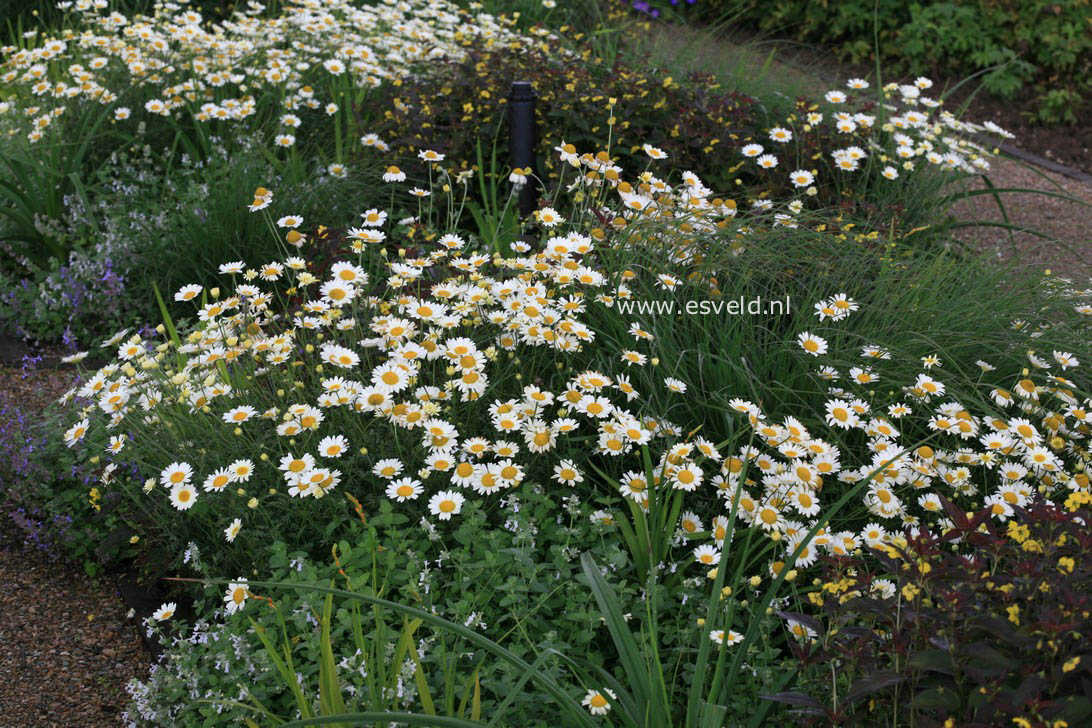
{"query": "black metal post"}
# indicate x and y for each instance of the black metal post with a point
(521, 128)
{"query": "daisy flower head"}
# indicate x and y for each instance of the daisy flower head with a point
(799, 630)
(780, 134)
(675, 385)
(394, 174)
(707, 555)
(812, 344)
(373, 218)
(751, 150)
(1066, 360)
(597, 702)
(567, 473)
(549, 217)
(428, 155)
(404, 489)
(445, 504)
(857, 83)
(290, 221)
(690, 522)
(188, 293)
(236, 596)
(165, 611)
(388, 468)
(518, 177)
(653, 152)
(333, 446)
(835, 97)
(76, 432)
(841, 414)
(233, 268)
(241, 470)
(767, 161)
(233, 530)
(176, 474)
(183, 496)
(801, 178)
(218, 480)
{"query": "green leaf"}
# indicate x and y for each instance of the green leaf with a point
(933, 661)
(330, 698)
(629, 652)
(167, 322)
(938, 698)
(375, 717)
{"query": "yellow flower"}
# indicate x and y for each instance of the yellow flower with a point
(1071, 664)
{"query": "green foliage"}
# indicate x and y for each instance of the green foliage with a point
(990, 634)
(1041, 47)
(460, 104)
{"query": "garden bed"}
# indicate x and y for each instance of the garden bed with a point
(654, 453)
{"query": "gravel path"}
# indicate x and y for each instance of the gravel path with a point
(67, 648)
(1070, 223)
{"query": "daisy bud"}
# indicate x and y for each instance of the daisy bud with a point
(214, 292)
(159, 329)
(756, 580)
(238, 430)
(309, 348)
(791, 576)
(264, 457)
(149, 484)
(363, 451)
(95, 460)
(252, 503)
(701, 621)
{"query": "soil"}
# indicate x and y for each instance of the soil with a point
(69, 646)
(1067, 251)
(1068, 144)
